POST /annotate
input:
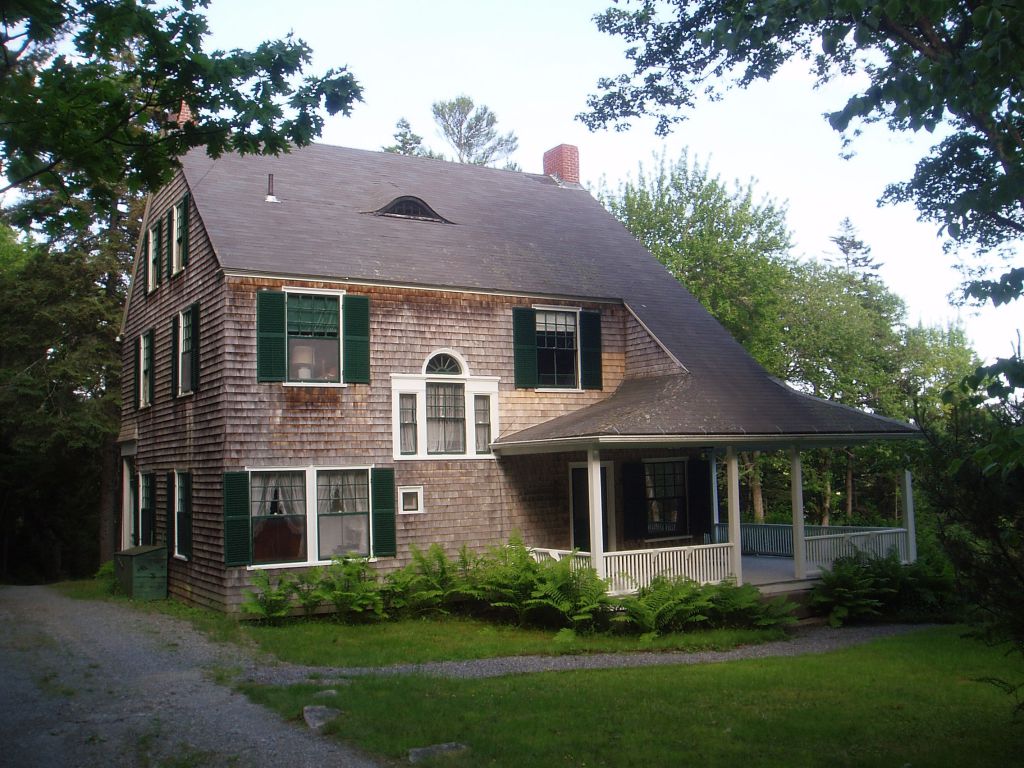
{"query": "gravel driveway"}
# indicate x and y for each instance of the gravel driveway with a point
(87, 683)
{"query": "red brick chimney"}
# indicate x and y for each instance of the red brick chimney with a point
(563, 162)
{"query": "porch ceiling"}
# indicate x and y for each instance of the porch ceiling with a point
(681, 410)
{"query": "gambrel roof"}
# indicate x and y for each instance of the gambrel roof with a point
(503, 231)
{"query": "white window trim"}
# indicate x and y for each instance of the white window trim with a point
(340, 384)
(144, 376)
(418, 490)
(312, 529)
(180, 390)
(416, 384)
(579, 361)
(153, 247)
(177, 527)
(177, 262)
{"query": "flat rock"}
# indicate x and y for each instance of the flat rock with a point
(317, 717)
(419, 754)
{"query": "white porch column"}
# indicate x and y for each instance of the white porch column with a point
(796, 495)
(908, 516)
(732, 493)
(596, 512)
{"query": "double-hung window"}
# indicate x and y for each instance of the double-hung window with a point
(185, 351)
(153, 260)
(147, 509)
(556, 348)
(179, 513)
(312, 337)
(144, 367)
(177, 231)
(308, 515)
(443, 411)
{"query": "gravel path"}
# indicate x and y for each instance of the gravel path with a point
(88, 684)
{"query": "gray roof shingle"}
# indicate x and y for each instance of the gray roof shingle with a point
(511, 232)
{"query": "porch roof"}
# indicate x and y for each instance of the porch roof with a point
(682, 409)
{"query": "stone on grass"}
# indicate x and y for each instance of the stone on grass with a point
(327, 692)
(317, 717)
(419, 754)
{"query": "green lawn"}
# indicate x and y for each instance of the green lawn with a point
(907, 701)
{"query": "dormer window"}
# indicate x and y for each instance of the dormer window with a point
(408, 207)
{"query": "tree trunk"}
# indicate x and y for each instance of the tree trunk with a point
(751, 463)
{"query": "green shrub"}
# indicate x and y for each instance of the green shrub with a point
(743, 607)
(503, 581)
(269, 601)
(106, 577)
(665, 605)
(351, 586)
(308, 590)
(568, 595)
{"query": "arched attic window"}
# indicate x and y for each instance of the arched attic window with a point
(408, 207)
(443, 364)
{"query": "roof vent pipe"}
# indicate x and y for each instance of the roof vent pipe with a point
(270, 190)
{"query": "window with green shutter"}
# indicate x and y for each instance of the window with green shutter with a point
(185, 352)
(382, 483)
(146, 375)
(177, 235)
(153, 257)
(147, 508)
(299, 337)
(556, 349)
(183, 515)
(237, 543)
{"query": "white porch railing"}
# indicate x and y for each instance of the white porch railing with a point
(632, 569)
(881, 542)
(823, 543)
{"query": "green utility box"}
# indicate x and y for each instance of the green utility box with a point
(142, 572)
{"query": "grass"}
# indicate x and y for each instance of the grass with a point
(910, 700)
(327, 644)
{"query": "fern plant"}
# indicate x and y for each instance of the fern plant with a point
(848, 592)
(573, 596)
(269, 601)
(505, 579)
(308, 590)
(666, 605)
(351, 586)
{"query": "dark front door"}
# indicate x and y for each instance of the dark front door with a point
(581, 507)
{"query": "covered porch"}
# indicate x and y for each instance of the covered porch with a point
(697, 423)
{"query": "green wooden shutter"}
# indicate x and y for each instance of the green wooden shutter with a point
(194, 309)
(590, 350)
(356, 327)
(185, 521)
(382, 505)
(634, 500)
(175, 341)
(147, 518)
(150, 357)
(271, 342)
(169, 245)
(237, 537)
(184, 230)
(524, 346)
(699, 497)
(169, 529)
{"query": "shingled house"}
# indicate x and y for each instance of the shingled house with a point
(337, 351)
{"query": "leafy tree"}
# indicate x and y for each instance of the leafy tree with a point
(729, 249)
(929, 63)
(97, 102)
(471, 130)
(409, 143)
(854, 254)
(91, 93)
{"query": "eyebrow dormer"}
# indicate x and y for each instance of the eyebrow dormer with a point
(409, 207)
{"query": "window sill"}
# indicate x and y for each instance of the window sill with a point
(558, 389)
(443, 456)
(182, 558)
(320, 384)
(306, 564)
(183, 395)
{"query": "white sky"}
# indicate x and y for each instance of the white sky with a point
(534, 62)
